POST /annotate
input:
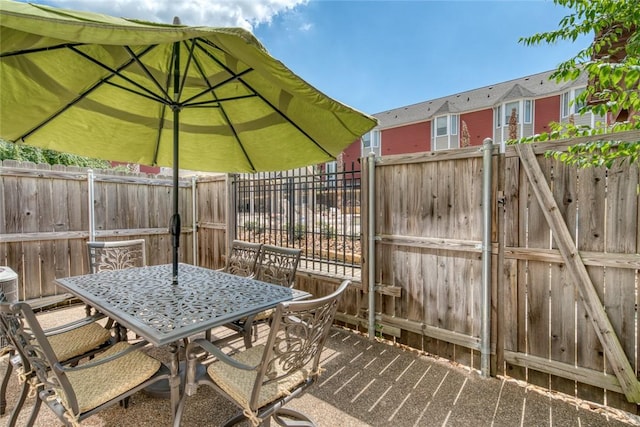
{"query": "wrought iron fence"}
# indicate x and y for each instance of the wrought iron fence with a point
(317, 211)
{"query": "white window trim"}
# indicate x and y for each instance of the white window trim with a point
(527, 119)
(453, 124)
(446, 123)
(375, 141)
(568, 100)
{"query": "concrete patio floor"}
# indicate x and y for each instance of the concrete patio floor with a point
(368, 383)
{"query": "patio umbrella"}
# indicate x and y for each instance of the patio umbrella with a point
(199, 98)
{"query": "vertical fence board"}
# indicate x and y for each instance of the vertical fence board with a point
(510, 230)
(60, 218)
(429, 263)
(11, 224)
(28, 202)
(538, 283)
(620, 287)
(44, 189)
(77, 205)
(563, 292)
(445, 221)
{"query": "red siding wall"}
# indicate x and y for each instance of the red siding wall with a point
(351, 155)
(406, 139)
(546, 110)
(479, 124)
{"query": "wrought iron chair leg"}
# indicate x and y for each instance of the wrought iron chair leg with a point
(235, 420)
(5, 382)
(124, 403)
(177, 419)
(35, 409)
(248, 334)
(289, 418)
(21, 399)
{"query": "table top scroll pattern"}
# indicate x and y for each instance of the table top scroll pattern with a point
(148, 295)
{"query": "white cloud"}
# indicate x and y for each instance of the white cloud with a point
(221, 13)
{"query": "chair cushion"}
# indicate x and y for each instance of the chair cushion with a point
(238, 383)
(264, 315)
(99, 384)
(78, 341)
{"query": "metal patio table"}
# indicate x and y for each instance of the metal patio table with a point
(145, 301)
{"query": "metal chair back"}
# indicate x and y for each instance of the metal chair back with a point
(76, 392)
(243, 257)
(29, 340)
(278, 265)
(297, 336)
(116, 255)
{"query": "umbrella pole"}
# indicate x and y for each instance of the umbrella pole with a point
(175, 219)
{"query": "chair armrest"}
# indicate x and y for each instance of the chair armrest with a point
(219, 354)
(102, 360)
(74, 324)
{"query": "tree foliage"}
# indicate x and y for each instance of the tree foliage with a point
(25, 153)
(612, 63)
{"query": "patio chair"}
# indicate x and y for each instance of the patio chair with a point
(115, 255)
(242, 259)
(70, 342)
(276, 265)
(262, 379)
(76, 391)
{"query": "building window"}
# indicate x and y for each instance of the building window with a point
(331, 167)
(454, 124)
(569, 104)
(371, 143)
(508, 110)
(498, 116)
(441, 126)
(527, 111)
(578, 105)
(444, 132)
(565, 104)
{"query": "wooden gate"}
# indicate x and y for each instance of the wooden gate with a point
(569, 277)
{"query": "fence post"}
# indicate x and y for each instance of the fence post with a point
(194, 227)
(231, 214)
(371, 162)
(91, 189)
(485, 340)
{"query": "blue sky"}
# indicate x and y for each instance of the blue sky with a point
(379, 55)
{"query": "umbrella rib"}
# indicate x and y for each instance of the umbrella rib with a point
(217, 101)
(211, 88)
(42, 49)
(239, 78)
(224, 113)
(136, 58)
(96, 85)
(116, 72)
(186, 68)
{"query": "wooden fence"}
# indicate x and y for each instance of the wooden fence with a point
(564, 255)
(45, 220)
(565, 263)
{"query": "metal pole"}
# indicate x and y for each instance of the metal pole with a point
(371, 162)
(92, 218)
(175, 219)
(485, 339)
(194, 205)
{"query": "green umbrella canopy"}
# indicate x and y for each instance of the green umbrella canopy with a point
(126, 90)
